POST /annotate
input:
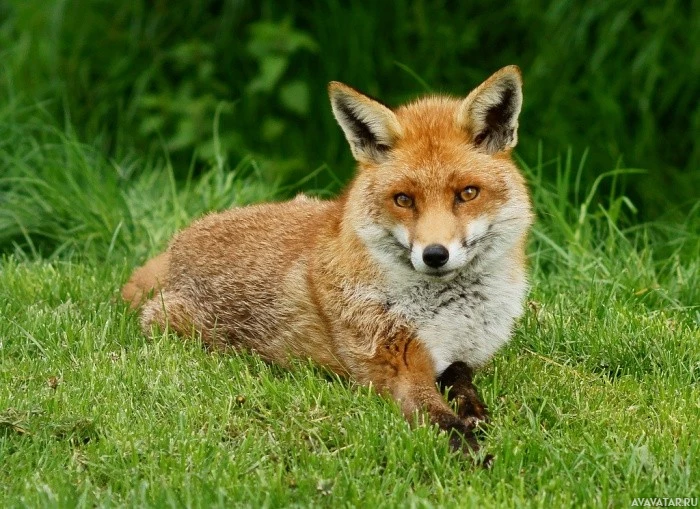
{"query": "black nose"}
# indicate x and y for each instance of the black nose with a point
(435, 255)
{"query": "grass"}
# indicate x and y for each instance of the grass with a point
(133, 74)
(594, 402)
(121, 122)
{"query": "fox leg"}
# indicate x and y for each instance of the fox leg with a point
(403, 369)
(457, 380)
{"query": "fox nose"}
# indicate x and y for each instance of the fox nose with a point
(435, 255)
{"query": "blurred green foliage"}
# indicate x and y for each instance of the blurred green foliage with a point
(621, 78)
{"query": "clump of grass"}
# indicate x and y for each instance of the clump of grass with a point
(60, 195)
(592, 235)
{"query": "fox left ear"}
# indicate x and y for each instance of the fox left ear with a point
(370, 127)
(490, 112)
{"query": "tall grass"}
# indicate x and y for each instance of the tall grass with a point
(62, 197)
(616, 77)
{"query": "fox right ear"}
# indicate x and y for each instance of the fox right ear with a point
(490, 112)
(370, 127)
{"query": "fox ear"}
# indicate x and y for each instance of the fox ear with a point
(370, 127)
(490, 112)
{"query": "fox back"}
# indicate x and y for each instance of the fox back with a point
(419, 266)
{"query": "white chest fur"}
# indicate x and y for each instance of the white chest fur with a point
(467, 319)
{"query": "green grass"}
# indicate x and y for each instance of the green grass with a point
(122, 121)
(594, 402)
(618, 77)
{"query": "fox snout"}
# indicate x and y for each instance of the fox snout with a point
(438, 258)
(444, 253)
(435, 255)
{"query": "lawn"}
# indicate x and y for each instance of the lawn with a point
(595, 402)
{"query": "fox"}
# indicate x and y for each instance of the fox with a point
(408, 281)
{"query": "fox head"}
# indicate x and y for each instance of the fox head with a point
(436, 190)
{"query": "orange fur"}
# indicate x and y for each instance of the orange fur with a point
(306, 278)
(146, 279)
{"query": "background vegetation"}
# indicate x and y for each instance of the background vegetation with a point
(121, 121)
(617, 78)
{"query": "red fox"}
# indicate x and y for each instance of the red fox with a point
(414, 274)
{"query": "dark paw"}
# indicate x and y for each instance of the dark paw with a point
(462, 440)
(471, 409)
(457, 381)
(462, 437)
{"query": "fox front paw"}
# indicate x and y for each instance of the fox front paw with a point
(471, 409)
(462, 439)
(457, 381)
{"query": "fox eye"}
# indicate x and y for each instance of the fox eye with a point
(403, 200)
(468, 193)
